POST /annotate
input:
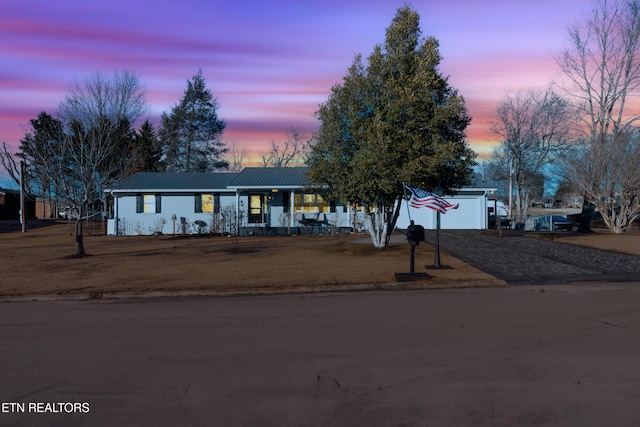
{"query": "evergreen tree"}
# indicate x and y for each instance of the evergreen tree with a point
(394, 120)
(145, 152)
(190, 134)
(45, 136)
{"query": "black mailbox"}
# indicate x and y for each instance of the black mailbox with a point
(415, 234)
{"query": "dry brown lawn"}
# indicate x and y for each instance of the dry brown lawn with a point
(41, 262)
(628, 242)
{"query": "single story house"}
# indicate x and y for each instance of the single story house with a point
(256, 200)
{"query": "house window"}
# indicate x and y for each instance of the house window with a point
(257, 208)
(359, 207)
(321, 204)
(207, 203)
(204, 203)
(310, 203)
(148, 203)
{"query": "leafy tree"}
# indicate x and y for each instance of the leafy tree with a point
(394, 120)
(190, 134)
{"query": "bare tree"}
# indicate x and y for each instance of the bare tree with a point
(533, 126)
(10, 163)
(99, 96)
(289, 152)
(78, 162)
(89, 147)
(602, 66)
(237, 154)
(608, 175)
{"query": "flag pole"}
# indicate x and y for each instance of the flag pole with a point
(436, 263)
(404, 188)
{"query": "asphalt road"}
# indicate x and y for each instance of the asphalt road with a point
(553, 355)
(522, 260)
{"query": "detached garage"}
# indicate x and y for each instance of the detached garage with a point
(472, 214)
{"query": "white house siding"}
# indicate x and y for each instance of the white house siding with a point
(177, 215)
(471, 214)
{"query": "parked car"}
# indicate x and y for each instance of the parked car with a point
(68, 212)
(541, 223)
(504, 221)
(561, 223)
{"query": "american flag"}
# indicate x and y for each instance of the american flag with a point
(424, 199)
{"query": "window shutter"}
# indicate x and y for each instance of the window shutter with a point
(198, 203)
(216, 203)
(158, 204)
(139, 203)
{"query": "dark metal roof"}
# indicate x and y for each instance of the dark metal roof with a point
(169, 181)
(271, 177)
(255, 177)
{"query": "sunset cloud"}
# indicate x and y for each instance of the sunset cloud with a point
(269, 63)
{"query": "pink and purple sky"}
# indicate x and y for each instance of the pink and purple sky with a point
(269, 63)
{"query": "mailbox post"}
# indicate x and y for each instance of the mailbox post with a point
(415, 235)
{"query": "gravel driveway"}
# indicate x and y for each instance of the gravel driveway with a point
(526, 260)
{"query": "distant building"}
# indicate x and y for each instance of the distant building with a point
(10, 204)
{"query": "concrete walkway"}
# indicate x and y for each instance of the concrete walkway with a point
(525, 260)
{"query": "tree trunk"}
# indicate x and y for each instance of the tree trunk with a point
(392, 221)
(377, 227)
(381, 223)
(584, 224)
(79, 237)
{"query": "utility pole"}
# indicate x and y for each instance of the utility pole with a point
(510, 190)
(23, 210)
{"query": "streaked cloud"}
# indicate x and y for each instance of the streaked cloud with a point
(269, 63)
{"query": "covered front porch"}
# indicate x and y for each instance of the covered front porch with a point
(281, 201)
(279, 211)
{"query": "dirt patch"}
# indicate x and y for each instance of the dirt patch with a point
(41, 262)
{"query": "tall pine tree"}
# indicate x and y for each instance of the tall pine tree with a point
(145, 154)
(190, 134)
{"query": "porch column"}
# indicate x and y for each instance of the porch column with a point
(237, 213)
(292, 213)
(115, 214)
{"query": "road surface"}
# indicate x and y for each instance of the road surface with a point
(526, 355)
